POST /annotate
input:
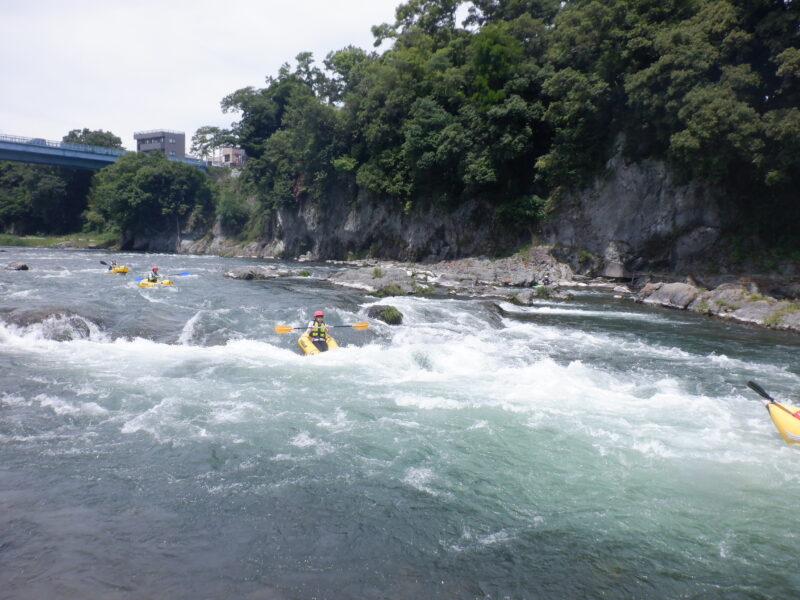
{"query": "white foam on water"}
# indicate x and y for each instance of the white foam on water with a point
(66, 407)
(543, 308)
(187, 333)
(61, 273)
(24, 294)
(54, 328)
(234, 412)
(304, 440)
(167, 422)
(419, 478)
(498, 537)
(337, 424)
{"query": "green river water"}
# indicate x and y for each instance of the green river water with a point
(168, 443)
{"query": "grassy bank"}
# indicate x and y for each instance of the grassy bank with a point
(72, 240)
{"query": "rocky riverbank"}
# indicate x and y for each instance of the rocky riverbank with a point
(535, 274)
(741, 301)
(768, 301)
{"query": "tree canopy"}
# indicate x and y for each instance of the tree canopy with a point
(147, 193)
(522, 100)
(528, 97)
(45, 199)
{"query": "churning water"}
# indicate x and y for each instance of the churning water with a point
(167, 443)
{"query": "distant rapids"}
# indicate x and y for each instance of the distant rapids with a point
(168, 443)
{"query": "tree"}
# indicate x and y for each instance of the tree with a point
(207, 139)
(99, 137)
(146, 193)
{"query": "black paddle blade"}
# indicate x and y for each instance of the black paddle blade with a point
(759, 390)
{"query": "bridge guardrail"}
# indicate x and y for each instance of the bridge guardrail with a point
(63, 145)
(88, 149)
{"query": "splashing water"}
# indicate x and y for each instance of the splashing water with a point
(166, 442)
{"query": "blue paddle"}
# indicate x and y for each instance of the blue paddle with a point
(170, 275)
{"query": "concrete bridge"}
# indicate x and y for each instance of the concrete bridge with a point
(66, 154)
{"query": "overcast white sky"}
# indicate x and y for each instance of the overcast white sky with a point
(134, 65)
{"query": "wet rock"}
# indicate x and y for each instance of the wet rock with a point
(388, 279)
(58, 324)
(672, 295)
(15, 266)
(741, 302)
(539, 292)
(535, 266)
(259, 272)
(386, 313)
(474, 276)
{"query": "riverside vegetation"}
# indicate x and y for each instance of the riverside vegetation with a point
(467, 139)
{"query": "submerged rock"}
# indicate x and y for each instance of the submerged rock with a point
(386, 313)
(15, 266)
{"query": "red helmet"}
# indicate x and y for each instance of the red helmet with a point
(155, 268)
(319, 313)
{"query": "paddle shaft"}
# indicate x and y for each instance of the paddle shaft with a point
(763, 393)
(288, 328)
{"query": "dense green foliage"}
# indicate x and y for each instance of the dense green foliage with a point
(44, 199)
(106, 139)
(137, 194)
(528, 97)
(524, 99)
(147, 193)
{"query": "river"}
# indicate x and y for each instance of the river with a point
(168, 443)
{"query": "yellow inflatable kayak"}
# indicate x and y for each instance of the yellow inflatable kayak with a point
(308, 346)
(145, 283)
(786, 418)
(118, 269)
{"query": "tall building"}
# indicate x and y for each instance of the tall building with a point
(171, 143)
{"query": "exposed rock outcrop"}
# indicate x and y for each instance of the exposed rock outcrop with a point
(635, 217)
(261, 272)
(672, 295)
(339, 228)
(735, 301)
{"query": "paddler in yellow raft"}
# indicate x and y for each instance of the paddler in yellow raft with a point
(315, 338)
(318, 332)
(153, 279)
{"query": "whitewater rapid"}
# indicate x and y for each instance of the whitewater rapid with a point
(161, 442)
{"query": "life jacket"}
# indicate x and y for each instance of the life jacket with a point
(318, 331)
(153, 276)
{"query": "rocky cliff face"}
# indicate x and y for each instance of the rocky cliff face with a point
(339, 229)
(631, 219)
(634, 218)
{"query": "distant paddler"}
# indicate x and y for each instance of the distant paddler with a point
(153, 279)
(113, 267)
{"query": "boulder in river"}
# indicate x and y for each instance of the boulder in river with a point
(386, 313)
